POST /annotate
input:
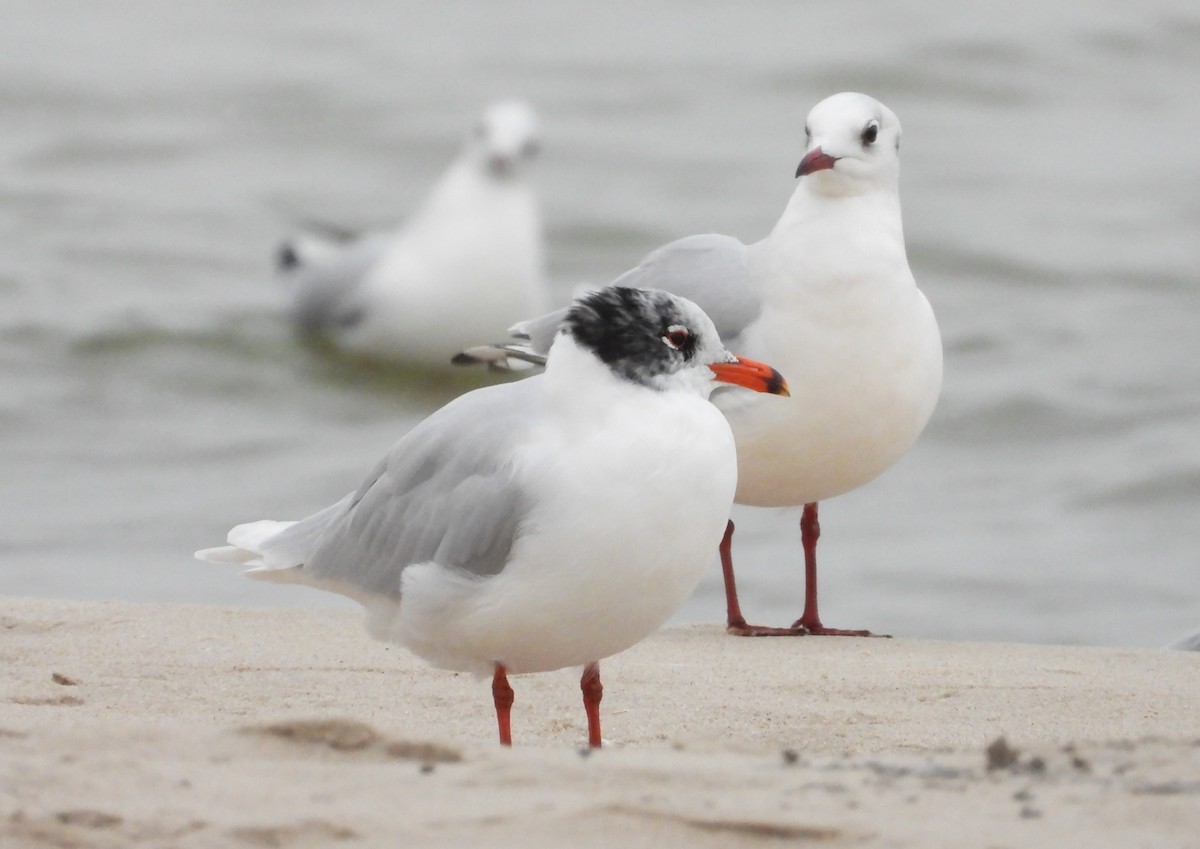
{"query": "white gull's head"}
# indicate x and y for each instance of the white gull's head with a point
(505, 138)
(853, 146)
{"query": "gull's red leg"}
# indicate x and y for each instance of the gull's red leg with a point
(593, 692)
(502, 693)
(810, 620)
(736, 622)
(733, 610)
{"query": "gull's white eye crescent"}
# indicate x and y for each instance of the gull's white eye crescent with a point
(677, 337)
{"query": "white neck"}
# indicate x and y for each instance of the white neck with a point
(817, 198)
(834, 240)
(569, 364)
(463, 188)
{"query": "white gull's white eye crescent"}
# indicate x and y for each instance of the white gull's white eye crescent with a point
(676, 337)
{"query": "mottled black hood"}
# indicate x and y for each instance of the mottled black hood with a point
(641, 334)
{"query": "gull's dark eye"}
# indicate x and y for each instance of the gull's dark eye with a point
(677, 337)
(870, 133)
(807, 136)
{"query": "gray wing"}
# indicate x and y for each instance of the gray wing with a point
(325, 274)
(709, 270)
(446, 493)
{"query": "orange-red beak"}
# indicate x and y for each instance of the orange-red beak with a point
(815, 160)
(751, 374)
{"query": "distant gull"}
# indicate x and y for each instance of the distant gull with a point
(467, 264)
(828, 297)
(541, 524)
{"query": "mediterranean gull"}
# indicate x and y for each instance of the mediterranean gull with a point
(827, 297)
(469, 262)
(541, 524)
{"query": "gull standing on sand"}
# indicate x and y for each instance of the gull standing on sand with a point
(468, 263)
(827, 297)
(541, 524)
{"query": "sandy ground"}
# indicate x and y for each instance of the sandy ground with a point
(128, 725)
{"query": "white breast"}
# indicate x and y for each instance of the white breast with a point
(631, 503)
(859, 346)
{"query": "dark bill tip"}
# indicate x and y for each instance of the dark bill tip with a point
(752, 375)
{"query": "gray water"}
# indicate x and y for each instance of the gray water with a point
(152, 154)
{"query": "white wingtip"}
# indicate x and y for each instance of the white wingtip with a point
(245, 545)
(260, 570)
(289, 575)
(225, 554)
(252, 535)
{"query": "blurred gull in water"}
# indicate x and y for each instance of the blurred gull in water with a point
(467, 264)
(541, 524)
(827, 297)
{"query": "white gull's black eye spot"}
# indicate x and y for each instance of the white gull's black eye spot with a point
(677, 337)
(870, 133)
